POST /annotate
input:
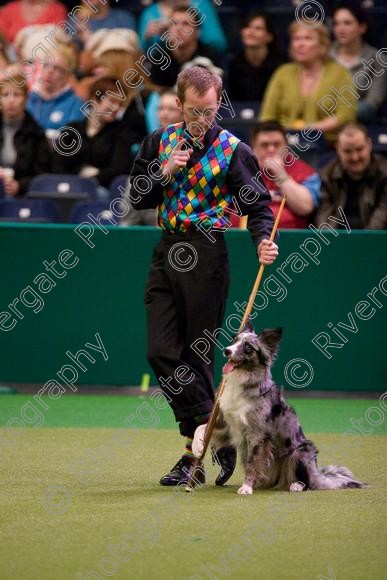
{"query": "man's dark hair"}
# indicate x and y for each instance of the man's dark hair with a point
(353, 126)
(266, 126)
(357, 12)
(194, 18)
(273, 44)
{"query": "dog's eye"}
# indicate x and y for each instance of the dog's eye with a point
(248, 349)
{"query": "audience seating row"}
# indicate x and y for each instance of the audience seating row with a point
(60, 198)
(47, 211)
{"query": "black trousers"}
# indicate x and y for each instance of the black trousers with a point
(180, 305)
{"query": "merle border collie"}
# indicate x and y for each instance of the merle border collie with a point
(255, 418)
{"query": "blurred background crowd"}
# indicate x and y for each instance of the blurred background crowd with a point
(82, 84)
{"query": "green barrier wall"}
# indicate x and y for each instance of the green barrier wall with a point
(103, 293)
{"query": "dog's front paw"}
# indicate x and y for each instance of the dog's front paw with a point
(198, 441)
(245, 489)
(297, 486)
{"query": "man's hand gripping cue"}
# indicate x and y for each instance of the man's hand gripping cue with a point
(267, 252)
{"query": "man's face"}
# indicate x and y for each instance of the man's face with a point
(354, 152)
(182, 28)
(267, 144)
(199, 110)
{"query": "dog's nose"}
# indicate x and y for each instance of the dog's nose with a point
(227, 352)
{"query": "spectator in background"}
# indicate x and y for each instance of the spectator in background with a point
(168, 110)
(52, 102)
(105, 150)
(102, 16)
(155, 20)
(112, 53)
(349, 28)
(25, 43)
(250, 70)
(16, 15)
(24, 150)
(184, 29)
(298, 92)
(4, 56)
(285, 174)
(356, 181)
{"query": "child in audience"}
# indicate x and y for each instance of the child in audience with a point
(168, 111)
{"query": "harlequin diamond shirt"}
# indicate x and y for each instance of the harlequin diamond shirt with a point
(199, 193)
(217, 180)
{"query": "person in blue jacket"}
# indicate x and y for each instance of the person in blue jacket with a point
(52, 102)
(155, 19)
(101, 15)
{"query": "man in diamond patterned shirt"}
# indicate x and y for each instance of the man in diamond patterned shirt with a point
(201, 174)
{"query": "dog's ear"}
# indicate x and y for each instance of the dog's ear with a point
(271, 339)
(248, 327)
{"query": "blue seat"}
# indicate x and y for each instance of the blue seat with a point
(28, 210)
(119, 181)
(378, 134)
(241, 106)
(57, 186)
(100, 210)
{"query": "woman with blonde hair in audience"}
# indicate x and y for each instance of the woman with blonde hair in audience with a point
(113, 53)
(52, 102)
(24, 150)
(313, 91)
(106, 141)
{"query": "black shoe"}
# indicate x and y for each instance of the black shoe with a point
(180, 473)
(226, 458)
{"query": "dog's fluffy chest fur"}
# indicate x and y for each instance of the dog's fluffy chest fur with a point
(238, 406)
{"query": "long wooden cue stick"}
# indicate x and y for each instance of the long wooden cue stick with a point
(215, 411)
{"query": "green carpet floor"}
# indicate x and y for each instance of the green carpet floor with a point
(317, 415)
(81, 494)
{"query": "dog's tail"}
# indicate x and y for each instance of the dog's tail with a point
(334, 477)
(303, 468)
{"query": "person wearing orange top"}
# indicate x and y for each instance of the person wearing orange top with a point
(17, 15)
